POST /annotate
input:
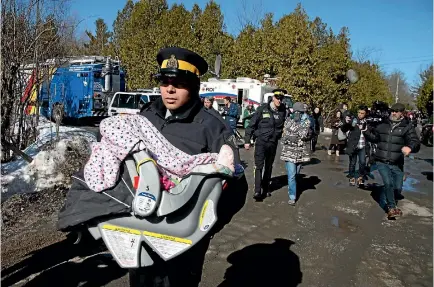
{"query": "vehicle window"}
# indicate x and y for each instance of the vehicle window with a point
(126, 101)
(154, 98)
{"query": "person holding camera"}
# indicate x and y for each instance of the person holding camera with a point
(356, 145)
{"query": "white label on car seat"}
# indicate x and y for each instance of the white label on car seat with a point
(144, 203)
(123, 243)
(166, 245)
(207, 216)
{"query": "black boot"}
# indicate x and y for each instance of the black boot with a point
(257, 196)
(258, 183)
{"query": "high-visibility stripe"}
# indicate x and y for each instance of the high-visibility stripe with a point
(183, 65)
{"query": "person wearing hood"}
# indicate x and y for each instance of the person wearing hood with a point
(395, 138)
(297, 133)
(266, 126)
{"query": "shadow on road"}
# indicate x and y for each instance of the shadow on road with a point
(264, 264)
(231, 202)
(313, 161)
(59, 264)
(428, 174)
(303, 183)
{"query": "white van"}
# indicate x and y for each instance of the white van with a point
(130, 102)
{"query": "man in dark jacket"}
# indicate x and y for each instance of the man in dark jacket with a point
(181, 118)
(356, 145)
(266, 126)
(396, 138)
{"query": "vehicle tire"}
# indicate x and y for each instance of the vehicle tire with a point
(148, 277)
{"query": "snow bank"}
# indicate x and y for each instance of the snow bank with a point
(47, 133)
(52, 166)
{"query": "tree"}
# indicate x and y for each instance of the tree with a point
(372, 86)
(425, 91)
(31, 32)
(137, 50)
(404, 94)
(99, 44)
(119, 31)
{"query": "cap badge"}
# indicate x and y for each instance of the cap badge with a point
(172, 62)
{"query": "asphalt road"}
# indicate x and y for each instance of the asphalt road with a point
(336, 235)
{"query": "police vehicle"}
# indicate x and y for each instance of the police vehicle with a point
(76, 87)
(131, 102)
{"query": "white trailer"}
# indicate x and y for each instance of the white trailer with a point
(243, 91)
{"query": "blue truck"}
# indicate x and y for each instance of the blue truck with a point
(81, 87)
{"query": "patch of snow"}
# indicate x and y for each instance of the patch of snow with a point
(46, 169)
(411, 208)
(47, 133)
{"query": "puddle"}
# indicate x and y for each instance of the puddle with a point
(335, 221)
(341, 184)
(344, 225)
(409, 185)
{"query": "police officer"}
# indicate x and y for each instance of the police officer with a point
(180, 116)
(266, 126)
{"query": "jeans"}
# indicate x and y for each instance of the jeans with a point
(361, 154)
(292, 169)
(393, 177)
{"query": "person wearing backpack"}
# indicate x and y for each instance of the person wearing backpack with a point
(267, 127)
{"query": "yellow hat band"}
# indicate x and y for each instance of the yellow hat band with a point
(279, 93)
(183, 65)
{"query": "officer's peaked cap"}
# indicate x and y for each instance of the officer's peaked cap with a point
(279, 92)
(174, 61)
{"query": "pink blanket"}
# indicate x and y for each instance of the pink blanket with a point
(122, 135)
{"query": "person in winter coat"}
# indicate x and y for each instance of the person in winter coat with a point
(247, 115)
(395, 138)
(319, 127)
(336, 144)
(297, 133)
(230, 113)
(356, 145)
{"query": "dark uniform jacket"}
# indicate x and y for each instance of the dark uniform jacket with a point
(391, 138)
(192, 129)
(266, 124)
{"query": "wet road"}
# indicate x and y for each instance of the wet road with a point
(336, 235)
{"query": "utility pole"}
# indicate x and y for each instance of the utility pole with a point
(397, 88)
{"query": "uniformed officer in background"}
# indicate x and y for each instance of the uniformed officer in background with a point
(266, 126)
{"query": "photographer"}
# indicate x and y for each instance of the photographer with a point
(356, 146)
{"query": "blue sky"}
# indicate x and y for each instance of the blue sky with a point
(398, 33)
